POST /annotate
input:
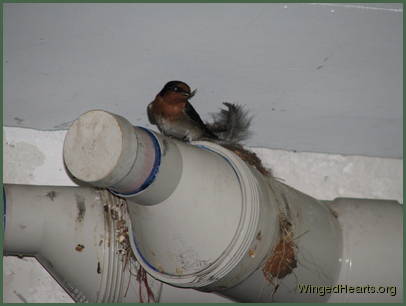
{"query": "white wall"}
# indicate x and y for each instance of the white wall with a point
(318, 78)
(35, 157)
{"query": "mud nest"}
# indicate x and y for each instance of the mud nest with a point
(283, 257)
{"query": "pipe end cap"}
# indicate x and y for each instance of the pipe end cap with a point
(94, 145)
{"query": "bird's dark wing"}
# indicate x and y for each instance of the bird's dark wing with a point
(193, 114)
(151, 116)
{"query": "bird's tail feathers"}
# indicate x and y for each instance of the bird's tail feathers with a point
(231, 125)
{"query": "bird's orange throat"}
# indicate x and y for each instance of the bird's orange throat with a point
(168, 108)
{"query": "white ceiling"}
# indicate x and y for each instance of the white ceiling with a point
(317, 77)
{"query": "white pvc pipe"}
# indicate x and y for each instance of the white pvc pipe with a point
(372, 255)
(202, 218)
(77, 235)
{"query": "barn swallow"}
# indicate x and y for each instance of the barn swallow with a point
(174, 116)
(172, 112)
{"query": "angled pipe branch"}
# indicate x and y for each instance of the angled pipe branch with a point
(79, 235)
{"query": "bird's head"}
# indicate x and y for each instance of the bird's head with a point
(177, 89)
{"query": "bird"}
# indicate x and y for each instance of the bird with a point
(174, 116)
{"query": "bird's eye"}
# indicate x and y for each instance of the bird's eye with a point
(175, 88)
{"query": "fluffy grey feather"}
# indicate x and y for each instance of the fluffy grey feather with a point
(231, 125)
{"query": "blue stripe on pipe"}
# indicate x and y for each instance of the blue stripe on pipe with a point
(142, 256)
(154, 171)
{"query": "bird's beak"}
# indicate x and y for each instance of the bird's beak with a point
(191, 95)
